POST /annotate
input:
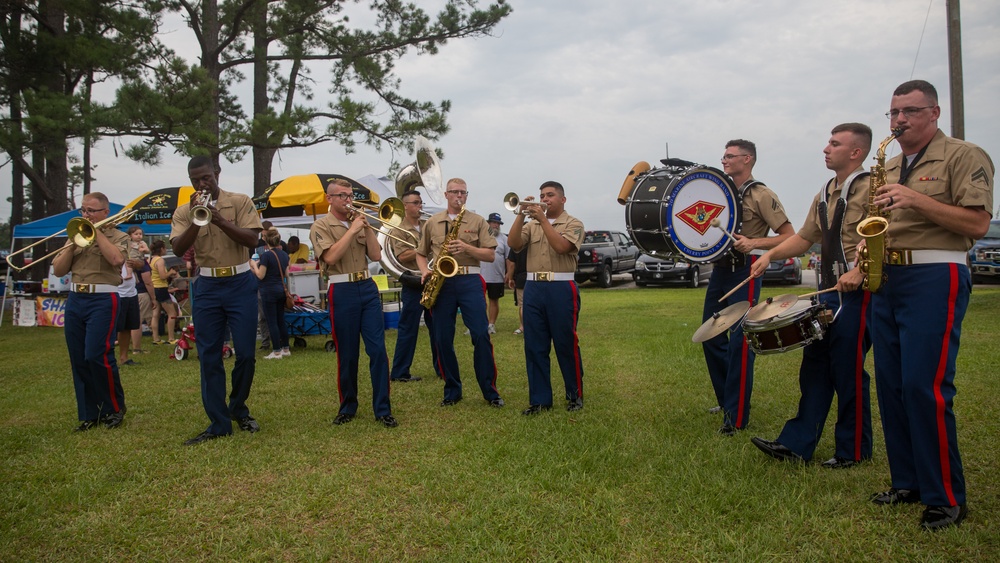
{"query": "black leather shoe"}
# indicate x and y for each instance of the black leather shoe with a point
(85, 425)
(497, 403)
(449, 402)
(535, 409)
(113, 420)
(937, 517)
(839, 463)
(777, 450)
(248, 424)
(388, 421)
(574, 405)
(343, 418)
(896, 496)
(203, 437)
(407, 378)
(728, 430)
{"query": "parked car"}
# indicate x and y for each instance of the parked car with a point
(784, 271)
(603, 254)
(984, 256)
(654, 270)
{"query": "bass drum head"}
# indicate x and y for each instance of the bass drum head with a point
(644, 213)
(694, 201)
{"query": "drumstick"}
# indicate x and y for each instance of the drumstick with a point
(717, 223)
(733, 290)
(817, 292)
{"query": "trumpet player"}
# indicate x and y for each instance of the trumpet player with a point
(91, 318)
(551, 296)
(834, 364)
(940, 194)
(343, 244)
(222, 227)
(466, 289)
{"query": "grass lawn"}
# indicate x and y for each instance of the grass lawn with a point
(639, 475)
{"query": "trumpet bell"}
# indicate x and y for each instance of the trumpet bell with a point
(510, 201)
(201, 215)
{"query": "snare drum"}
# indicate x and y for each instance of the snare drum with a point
(800, 325)
(670, 212)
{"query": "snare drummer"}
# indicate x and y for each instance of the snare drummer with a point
(835, 363)
(730, 360)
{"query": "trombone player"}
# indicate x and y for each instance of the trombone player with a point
(91, 316)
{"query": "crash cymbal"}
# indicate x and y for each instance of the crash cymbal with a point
(771, 307)
(721, 321)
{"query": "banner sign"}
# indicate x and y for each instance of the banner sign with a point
(51, 311)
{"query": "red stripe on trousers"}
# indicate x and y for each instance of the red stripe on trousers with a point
(938, 378)
(859, 371)
(109, 344)
(744, 356)
(576, 341)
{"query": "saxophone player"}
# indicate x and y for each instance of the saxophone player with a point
(834, 364)
(551, 297)
(939, 192)
(472, 244)
(343, 245)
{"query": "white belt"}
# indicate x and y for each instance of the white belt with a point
(224, 271)
(352, 277)
(462, 270)
(93, 288)
(550, 276)
(908, 257)
(756, 252)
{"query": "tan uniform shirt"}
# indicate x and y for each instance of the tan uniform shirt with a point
(474, 231)
(89, 265)
(541, 257)
(325, 232)
(950, 171)
(857, 205)
(761, 210)
(399, 248)
(213, 247)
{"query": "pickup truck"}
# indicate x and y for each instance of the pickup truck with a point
(603, 254)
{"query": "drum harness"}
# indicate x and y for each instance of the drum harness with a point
(833, 260)
(736, 259)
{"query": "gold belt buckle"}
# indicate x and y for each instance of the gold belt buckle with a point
(898, 258)
(224, 272)
(84, 288)
(355, 276)
(543, 276)
(462, 270)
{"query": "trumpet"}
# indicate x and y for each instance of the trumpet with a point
(390, 213)
(512, 202)
(79, 231)
(201, 215)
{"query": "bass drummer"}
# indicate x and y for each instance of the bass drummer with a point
(836, 363)
(729, 358)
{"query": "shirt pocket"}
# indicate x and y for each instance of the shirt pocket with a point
(471, 237)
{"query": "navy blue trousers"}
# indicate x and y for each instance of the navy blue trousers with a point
(916, 327)
(216, 303)
(551, 312)
(836, 365)
(272, 302)
(467, 291)
(407, 331)
(729, 358)
(355, 315)
(89, 326)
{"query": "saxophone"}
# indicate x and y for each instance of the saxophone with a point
(873, 229)
(445, 266)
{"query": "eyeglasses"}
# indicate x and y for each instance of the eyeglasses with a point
(457, 192)
(88, 211)
(907, 112)
(340, 196)
(732, 156)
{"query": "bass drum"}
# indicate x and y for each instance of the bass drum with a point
(670, 213)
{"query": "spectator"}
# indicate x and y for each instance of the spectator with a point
(161, 280)
(298, 252)
(270, 269)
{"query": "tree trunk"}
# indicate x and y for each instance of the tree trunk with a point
(263, 155)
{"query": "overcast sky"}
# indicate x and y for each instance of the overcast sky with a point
(580, 90)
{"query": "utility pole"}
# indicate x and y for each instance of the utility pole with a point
(955, 69)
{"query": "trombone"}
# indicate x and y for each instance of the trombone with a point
(390, 213)
(512, 202)
(79, 231)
